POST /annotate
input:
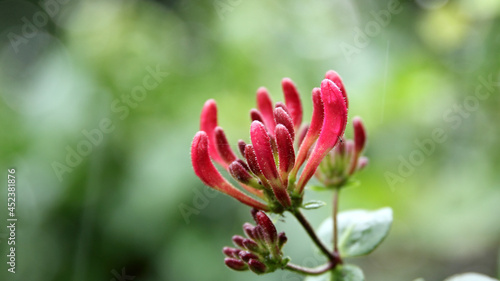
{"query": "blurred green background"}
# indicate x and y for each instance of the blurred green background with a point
(130, 202)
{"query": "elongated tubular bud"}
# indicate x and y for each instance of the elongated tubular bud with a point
(223, 147)
(239, 172)
(335, 77)
(255, 115)
(265, 158)
(250, 245)
(249, 230)
(238, 241)
(231, 252)
(253, 165)
(359, 134)
(235, 264)
(206, 171)
(292, 100)
(208, 123)
(265, 106)
(286, 154)
(334, 123)
(312, 133)
(269, 231)
(246, 256)
(241, 147)
(281, 105)
(257, 266)
(281, 117)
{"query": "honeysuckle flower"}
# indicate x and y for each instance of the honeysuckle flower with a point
(280, 146)
(260, 251)
(345, 159)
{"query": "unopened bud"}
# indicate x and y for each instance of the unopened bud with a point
(249, 230)
(241, 174)
(246, 256)
(238, 241)
(235, 264)
(257, 266)
(241, 147)
(231, 252)
(359, 134)
(223, 147)
(282, 239)
(269, 230)
(250, 245)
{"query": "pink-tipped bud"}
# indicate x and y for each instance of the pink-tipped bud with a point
(249, 230)
(231, 252)
(286, 153)
(265, 106)
(263, 151)
(238, 241)
(206, 171)
(281, 117)
(313, 131)
(252, 161)
(208, 123)
(269, 230)
(265, 158)
(282, 239)
(283, 106)
(359, 134)
(362, 162)
(250, 245)
(223, 147)
(239, 171)
(235, 264)
(292, 100)
(241, 147)
(334, 123)
(257, 266)
(256, 116)
(246, 256)
(335, 77)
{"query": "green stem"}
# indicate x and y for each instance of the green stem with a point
(309, 271)
(335, 228)
(303, 221)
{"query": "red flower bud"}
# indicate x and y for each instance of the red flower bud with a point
(265, 106)
(335, 77)
(312, 132)
(249, 231)
(250, 245)
(279, 104)
(281, 117)
(235, 264)
(256, 116)
(269, 230)
(246, 256)
(359, 134)
(206, 171)
(239, 171)
(238, 241)
(282, 239)
(334, 123)
(265, 158)
(223, 147)
(208, 122)
(292, 100)
(231, 252)
(257, 266)
(286, 154)
(241, 147)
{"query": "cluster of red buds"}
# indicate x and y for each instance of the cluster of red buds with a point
(345, 159)
(280, 146)
(261, 250)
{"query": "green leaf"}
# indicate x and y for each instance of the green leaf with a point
(470, 277)
(360, 231)
(346, 272)
(313, 204)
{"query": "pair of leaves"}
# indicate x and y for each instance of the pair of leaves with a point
(359, 233)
